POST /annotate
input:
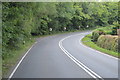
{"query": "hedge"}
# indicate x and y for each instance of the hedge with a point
(114, 28)
(96, 34)
(108, 42)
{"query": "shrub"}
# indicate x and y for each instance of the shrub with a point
(114, 29)
(108, 42)
(96, 34)
(119, 44)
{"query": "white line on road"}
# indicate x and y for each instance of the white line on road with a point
(80, 64)
(20, 62)
(66, 52)
(96, 50)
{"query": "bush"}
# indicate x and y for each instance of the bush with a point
(108, 42)
(119, 44)
(96, 34)
(114, 29)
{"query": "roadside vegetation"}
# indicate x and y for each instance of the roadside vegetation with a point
(22, 21)
(104, 39)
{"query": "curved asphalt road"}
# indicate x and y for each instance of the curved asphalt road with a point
(64, 56)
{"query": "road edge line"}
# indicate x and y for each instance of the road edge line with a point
(75, 60)
(12, 73)
(96, 50)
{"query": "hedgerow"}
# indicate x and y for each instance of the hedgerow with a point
(108, 42)
(96, 34)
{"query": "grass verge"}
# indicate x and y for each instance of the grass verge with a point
(87, 41)
(10, 61)
(0, 67)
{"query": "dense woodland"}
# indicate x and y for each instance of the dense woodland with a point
(21, 21)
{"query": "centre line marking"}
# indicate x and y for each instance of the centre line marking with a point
(80, 64)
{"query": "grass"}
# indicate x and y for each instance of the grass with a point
(0, 67)
(10, 61)
(0, 57)
(63, 32)
(107, 29)
(87, 41)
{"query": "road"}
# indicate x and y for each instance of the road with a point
(64, 56)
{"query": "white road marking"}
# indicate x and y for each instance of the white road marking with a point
(20, 62)
(80, 64)
(66, 52)
(96, 50)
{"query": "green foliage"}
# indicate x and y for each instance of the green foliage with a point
(87, 41)
(107, 29)
(119, 44)
(16, 25)
(20, 21)
(115, 27)
(108, 42)
(96, 34)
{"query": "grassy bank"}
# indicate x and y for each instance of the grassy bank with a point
(0, 67)
(87, 41)
(0, 53)
(107, 29)
(11, 60)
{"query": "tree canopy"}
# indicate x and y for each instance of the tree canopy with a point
(20, 21)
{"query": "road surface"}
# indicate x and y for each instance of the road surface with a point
(64, 56)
